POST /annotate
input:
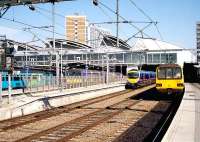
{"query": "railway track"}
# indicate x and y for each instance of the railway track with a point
(110, 118)
(70, 129)
(31, 118)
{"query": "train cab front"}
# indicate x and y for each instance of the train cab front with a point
(170, 87)
(169, 79)
(173, 88)
(132, 79)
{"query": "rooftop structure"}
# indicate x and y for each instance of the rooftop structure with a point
(163, 52)
(95, 35)
(145, 51)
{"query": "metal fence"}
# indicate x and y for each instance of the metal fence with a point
(28, 83)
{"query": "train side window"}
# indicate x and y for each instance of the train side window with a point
(5, 78)
(16, 78)
(146, 76)
(142, 76)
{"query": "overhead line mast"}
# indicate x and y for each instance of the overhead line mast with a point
(117, 24)
(96, 3)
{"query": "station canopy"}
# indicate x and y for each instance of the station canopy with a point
(4, 3)
(110, 40)
(67, 44)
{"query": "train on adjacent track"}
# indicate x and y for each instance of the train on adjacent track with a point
(137, 78)
(16, 82)
(170, 79)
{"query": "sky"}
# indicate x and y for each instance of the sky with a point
(176, 19)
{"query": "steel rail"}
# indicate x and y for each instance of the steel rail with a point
(88, 121)
(55, 111)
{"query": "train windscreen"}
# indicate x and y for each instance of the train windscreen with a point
(169, 73)
(133, 75)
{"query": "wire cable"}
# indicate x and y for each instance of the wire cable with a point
(161, 37)
(109, 17)
(49, 18)
(142, 11)
(123, 18)
(48, 11)
(147, 16)
(138, 32)
(102, 10)
(25, 24)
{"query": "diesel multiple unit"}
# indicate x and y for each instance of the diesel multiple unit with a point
(169, 79)
(137, 78)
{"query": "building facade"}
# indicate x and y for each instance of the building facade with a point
(160, 52)
(76, 28)
(79, 30)
(198, 40)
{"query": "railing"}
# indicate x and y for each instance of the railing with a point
(28, 83)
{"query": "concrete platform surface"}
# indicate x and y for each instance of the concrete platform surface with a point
(185, 126)
(29, 103)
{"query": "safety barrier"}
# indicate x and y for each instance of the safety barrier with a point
(28, 83)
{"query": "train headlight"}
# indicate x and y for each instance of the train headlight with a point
(180, 85)
(158, 85)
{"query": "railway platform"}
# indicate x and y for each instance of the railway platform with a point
(23, 104)
(185, 126)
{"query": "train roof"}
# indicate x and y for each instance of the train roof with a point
(169, 65)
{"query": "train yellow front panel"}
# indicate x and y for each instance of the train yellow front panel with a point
(132, 81)
(169, 84)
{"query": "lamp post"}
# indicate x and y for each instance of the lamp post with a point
(117, 24)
